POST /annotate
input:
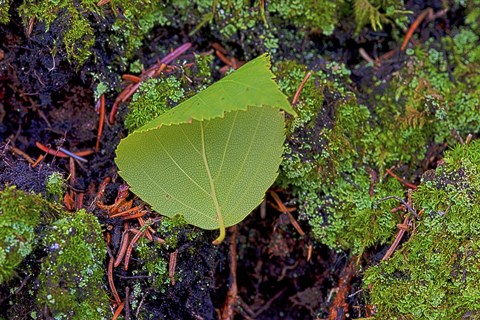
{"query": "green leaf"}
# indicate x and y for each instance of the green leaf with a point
(211, 158)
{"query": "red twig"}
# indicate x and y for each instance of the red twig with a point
(50, 151)
(131, 78)
(111, 283)
(300, 87)
(123, 249)
(414, 26)
(408, 184)
(63, 153)
(130, 248)
(118, 311)
(101, 120)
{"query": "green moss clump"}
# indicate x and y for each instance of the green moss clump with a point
(71, 277)
(336, 151)
(19, 216)
(153, 98)
(312, 14)
(135, 20)
(438, 88)
(158, 95)
(154, 263)
(79, 39)
(4, 7)
(55, 186)
(77, 35)
(435, 274)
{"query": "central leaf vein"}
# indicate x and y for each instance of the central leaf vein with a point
(221, 223)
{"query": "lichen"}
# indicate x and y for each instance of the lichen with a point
(71, 277)
(19, 216)
(435, 275)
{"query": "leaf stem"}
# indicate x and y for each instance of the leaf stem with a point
(221, 222)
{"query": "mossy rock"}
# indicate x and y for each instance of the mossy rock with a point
(71, 277)
(435, 274)
(19, 216)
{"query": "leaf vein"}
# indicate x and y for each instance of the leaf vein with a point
(179, 167)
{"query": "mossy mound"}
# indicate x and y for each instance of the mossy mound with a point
(435, 274)
(346, 137)
(71, 277)
(19, 216)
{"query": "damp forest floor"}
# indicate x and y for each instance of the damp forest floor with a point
(278, 269)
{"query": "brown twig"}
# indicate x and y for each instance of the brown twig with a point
(101, 120)
(339, 308)
(131, 78)
(110, 281)
(401, 229)
(127, 304)
(284, 209)
(131, 88)
(102, 2)
(118, 311)
(22, 154)
(228, 310)
(408, 184)
(409, 208)
(130, 247)
(123, 248)
(172, 265)
(414, 26)
(300, 88)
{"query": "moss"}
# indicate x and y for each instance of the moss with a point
(154, 263)
(156, 96)
(71, 277)
(438, 88)
(19, 216)
(135, 20)
(435, 275)
(312, 14)
(4, 7)
(344, 139)
(77, 35)
(55, 186)
(79, 39)
(153, 97)
(334, 153)
(172, 229)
